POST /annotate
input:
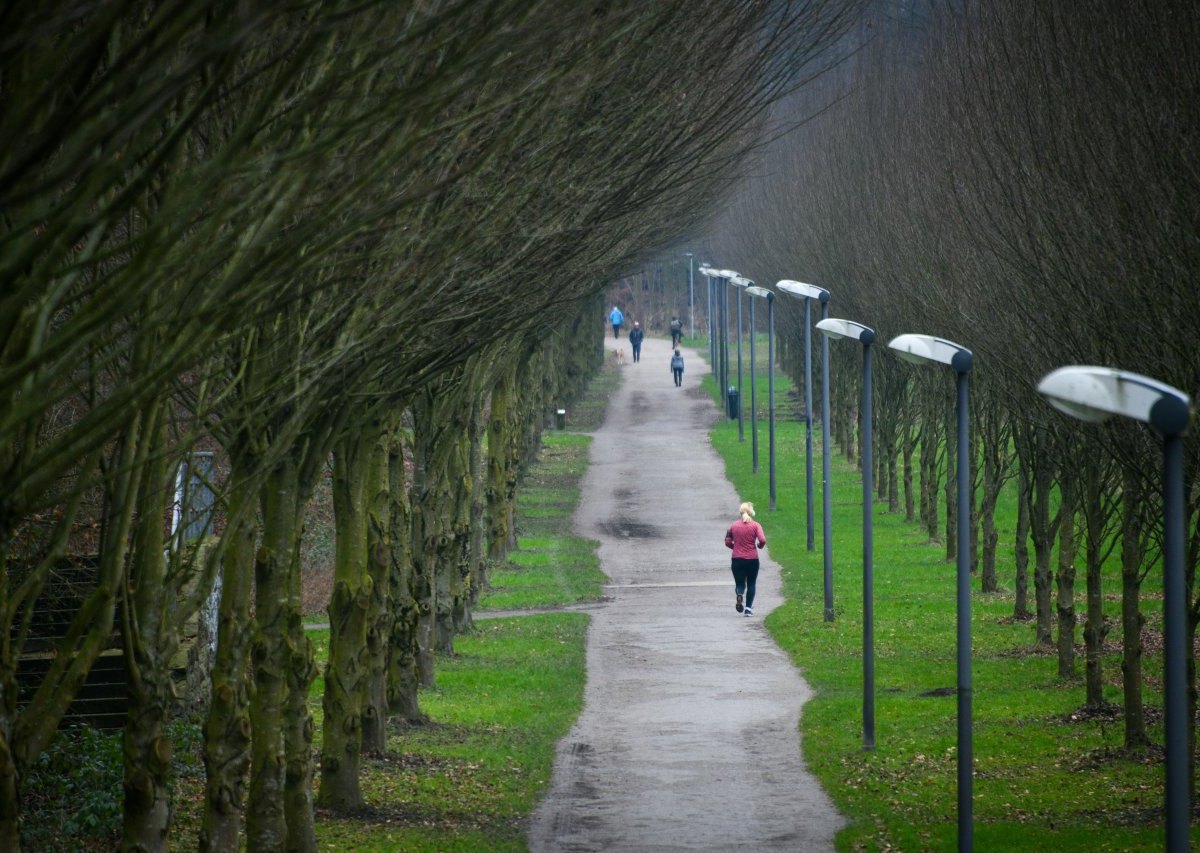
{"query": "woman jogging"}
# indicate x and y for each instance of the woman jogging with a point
(745, 536)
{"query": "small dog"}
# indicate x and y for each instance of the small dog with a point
(619, 356)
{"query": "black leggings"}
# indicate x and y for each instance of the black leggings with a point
(745, 575)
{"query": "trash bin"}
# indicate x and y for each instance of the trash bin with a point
(560, 419)
(732, 398)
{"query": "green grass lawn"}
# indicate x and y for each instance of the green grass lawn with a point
(551, 566)
(468, 779)
(1046, 776)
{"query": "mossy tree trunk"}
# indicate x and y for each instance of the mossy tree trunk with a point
(477, 543)
(228, 728)
(438, 470)
(345, 674)
(266, 825)
(503, 465)
(402, 677)
(379, 615)
(150, 634)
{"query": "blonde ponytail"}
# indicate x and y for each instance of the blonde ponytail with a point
(747, 511)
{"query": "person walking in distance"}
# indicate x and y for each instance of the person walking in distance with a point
(676, 330)
(635, 340)
(616, 318)
(677, 368)
(745, 537)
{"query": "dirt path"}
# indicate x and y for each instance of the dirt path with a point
(688, 739)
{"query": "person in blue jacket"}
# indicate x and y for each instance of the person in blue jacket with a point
(616, 318)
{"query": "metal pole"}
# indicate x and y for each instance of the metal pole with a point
(771, 386)
(868, 552)
(741, 421)
(966, 830)
(725, 342)
(1175, 649)
(708, 324)
(691, 299)
(826, 466)
(808, 403)
(753, 413)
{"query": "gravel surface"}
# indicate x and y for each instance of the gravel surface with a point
(689, 737)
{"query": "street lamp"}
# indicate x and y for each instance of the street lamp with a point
(691, 297)
(753, 405)
(1094, 394)
(741, 283)
(920, 349)
(709, 273)
(857, 331)
(725, 276)
(800, 290)
(763, 293)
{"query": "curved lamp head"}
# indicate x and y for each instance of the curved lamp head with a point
(800, 290)
(687, 254)
(706, 270)
(727, 274)
(760, 292)
(740, 281)
(836, 328)
(922, 348)
(1095, 394)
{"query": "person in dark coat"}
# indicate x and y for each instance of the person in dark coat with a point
(635, 340)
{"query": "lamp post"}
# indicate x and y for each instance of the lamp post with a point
(723, 277)
(921, 349)
(763, 293)
(800, 290)
(741, 283)
(807, 292)
(1094, 394)
(709, 273)
(753, 405)
(691, 297)
(834, 328)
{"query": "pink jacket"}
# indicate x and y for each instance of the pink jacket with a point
(743, 537)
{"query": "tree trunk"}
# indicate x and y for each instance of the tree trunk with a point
(1021, 548)
(345, 674)
(227, 731)
(907, 462)
(502, 466)
(298, 734)
(150, 638)
(987, 518)
(1043, 535)
(1096, 630)
(266, 827)
(379, 621)
(402, 680)
(477, 542)
(1068, 547)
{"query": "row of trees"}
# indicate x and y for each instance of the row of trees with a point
(1021, 179)
(364, 234)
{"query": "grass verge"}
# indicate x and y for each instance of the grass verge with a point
(1047, 775)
